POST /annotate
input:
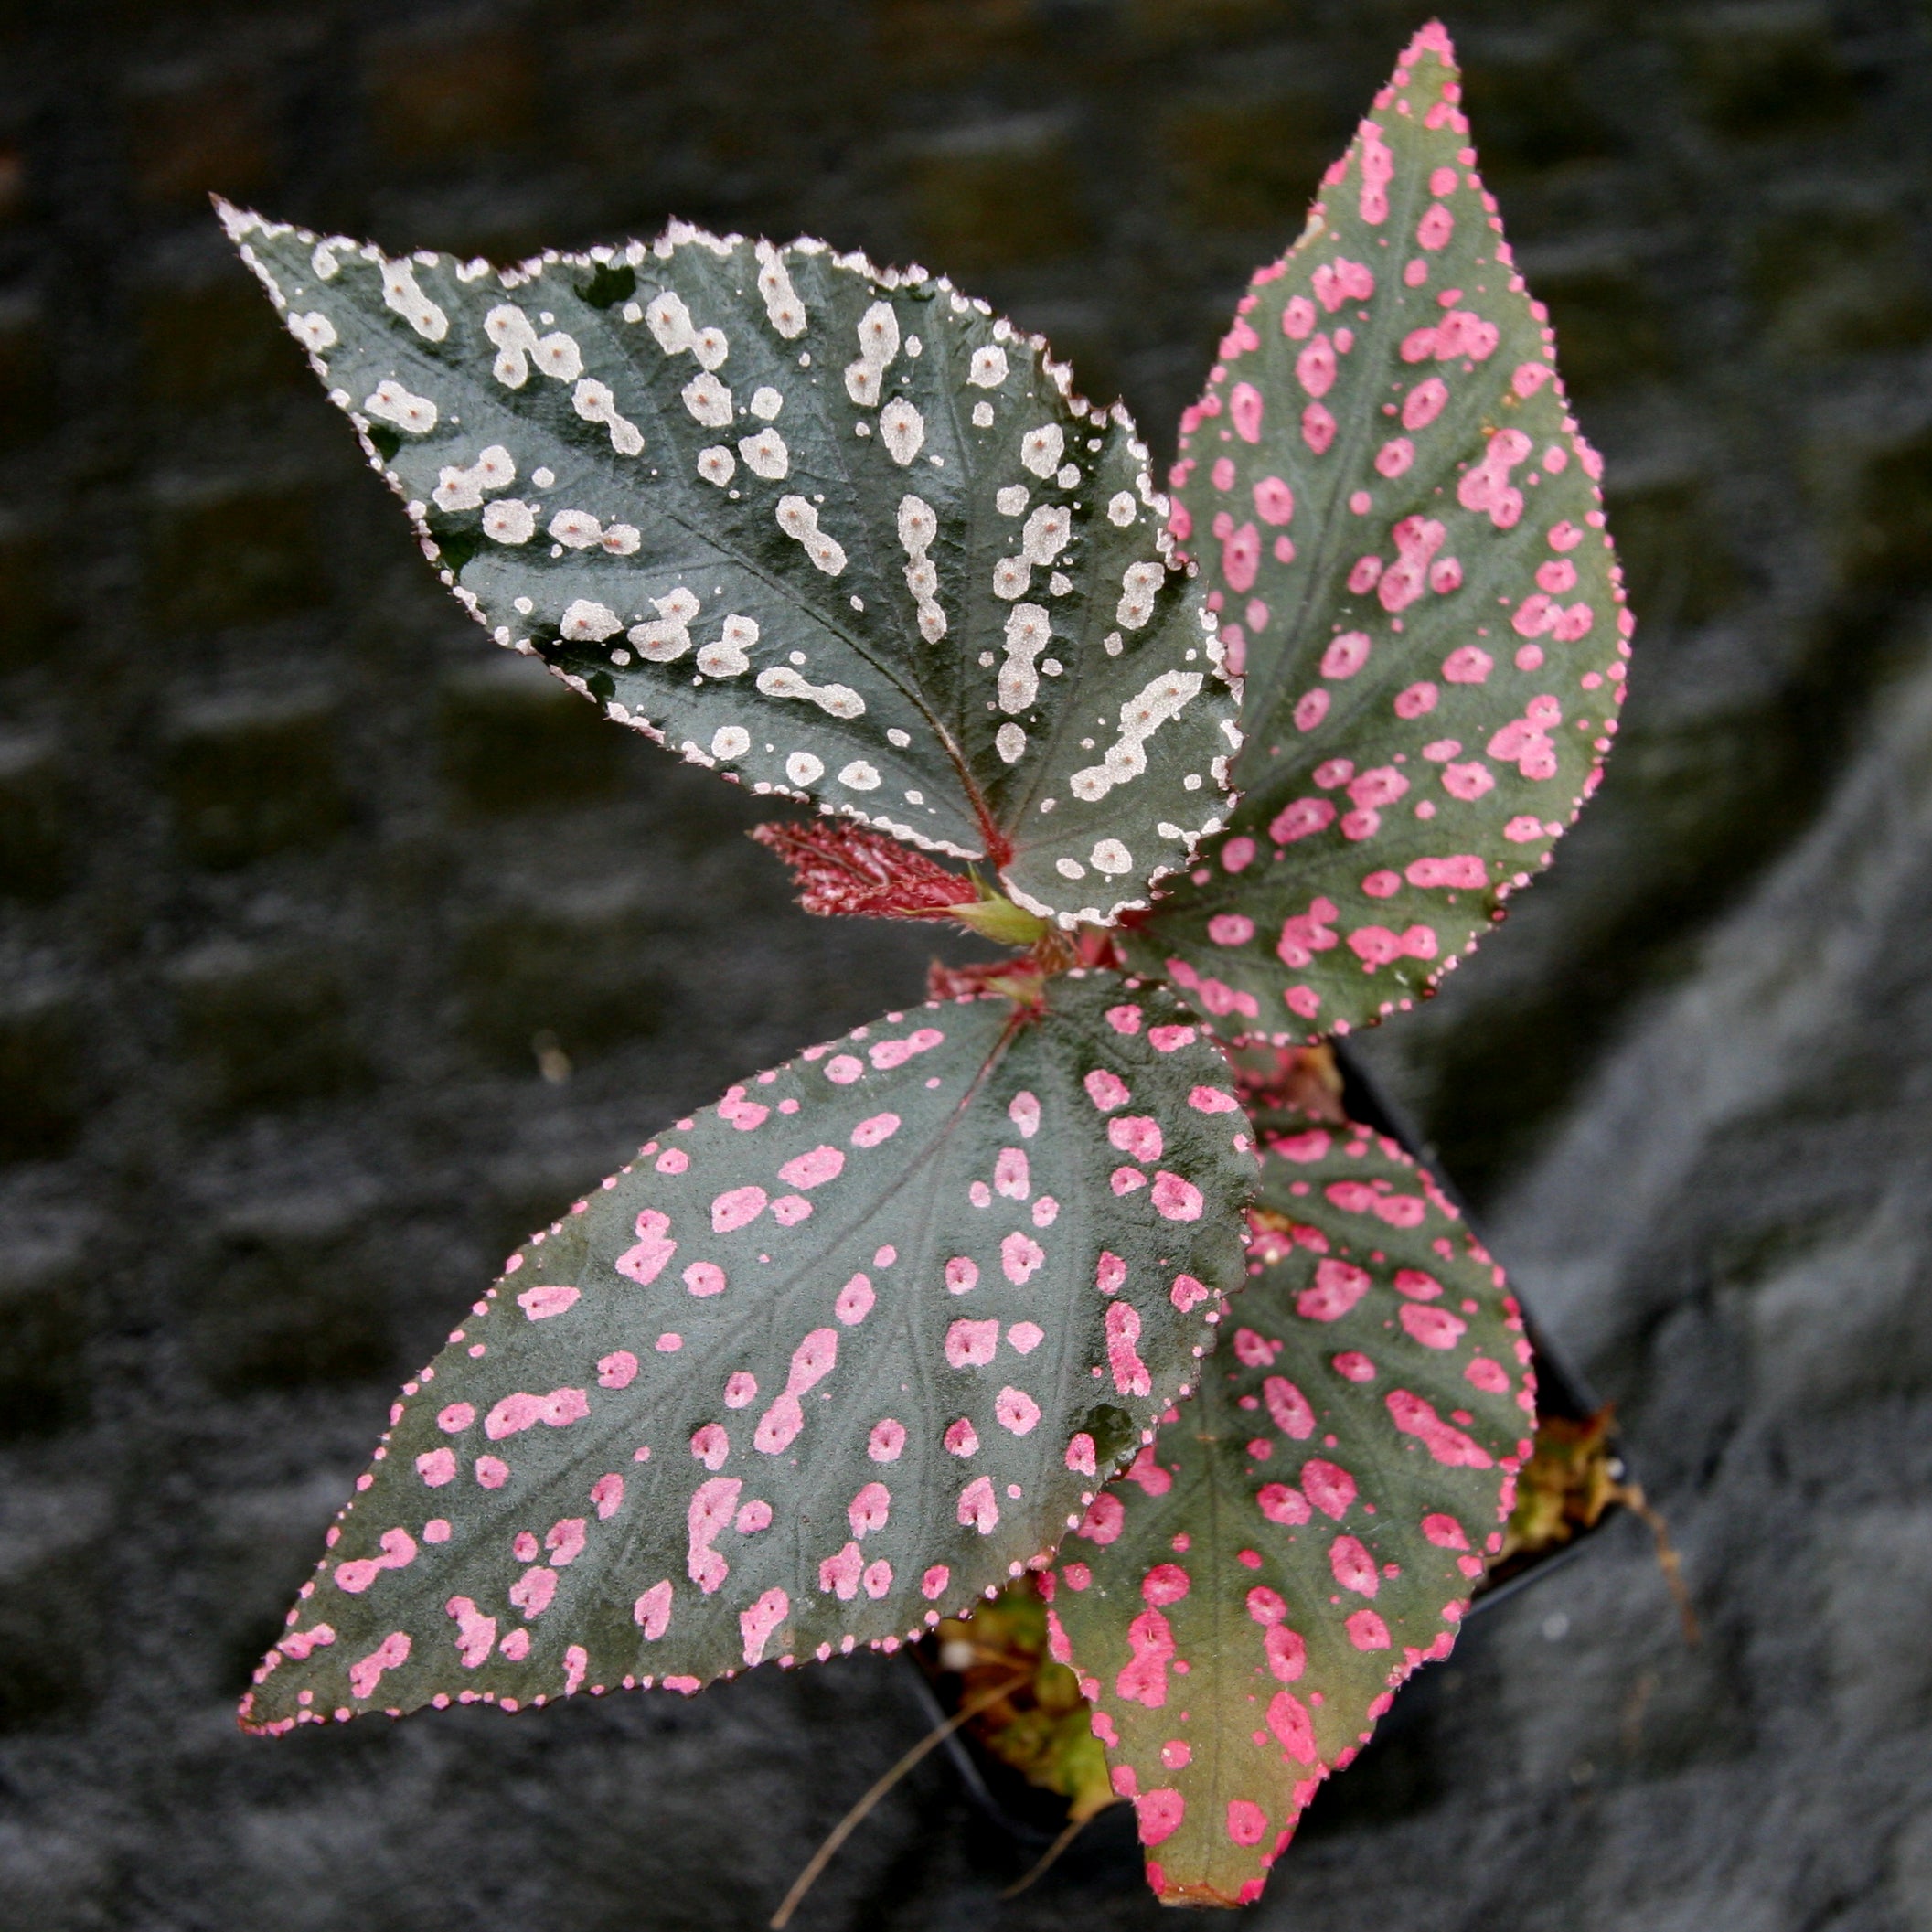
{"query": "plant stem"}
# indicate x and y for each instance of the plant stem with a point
(1631, 1496)
(1074, 1826)
(853, 1819)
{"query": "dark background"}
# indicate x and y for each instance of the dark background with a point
(304, 886)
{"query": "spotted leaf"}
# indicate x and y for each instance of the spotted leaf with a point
(819, 1366)
(1404, 539)
(835, 530)
(1308, 1530)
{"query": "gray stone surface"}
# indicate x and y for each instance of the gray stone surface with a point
(302, 890)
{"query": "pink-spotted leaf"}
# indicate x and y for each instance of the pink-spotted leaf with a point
(1405, 539)
(834, 530)
(823, 1363)
(1306, 1529)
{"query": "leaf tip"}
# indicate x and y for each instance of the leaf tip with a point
(238, 222)
(1431, 37)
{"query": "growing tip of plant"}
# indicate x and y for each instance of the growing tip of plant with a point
(998, 919)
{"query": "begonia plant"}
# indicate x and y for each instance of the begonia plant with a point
(1009, 1283)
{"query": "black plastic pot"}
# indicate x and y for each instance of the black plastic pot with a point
(1034, 1818)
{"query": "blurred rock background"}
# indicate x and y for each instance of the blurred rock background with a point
(337, 950)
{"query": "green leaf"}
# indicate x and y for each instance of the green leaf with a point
(1307, 1529)
(1405, 542)
(834, 530)
(821, 1365)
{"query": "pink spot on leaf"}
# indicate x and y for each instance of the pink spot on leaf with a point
(1016, 1411)
(475, 1633)
(1244, 408)
(387, 1655)
(1367, 1631)
(1292, 1729)
(972, 1344)
(978, 1510)
(1274, 501)
(1106, 1515)
(1288, 1408)
(757, 1623)
(1280, 1504)
(1339, 1286)
(1329, 1486)
(553, 1298)
(1019, 1255)
(1449, 1446)
(652, 1611)
(1143, 1679)
(532, 1592)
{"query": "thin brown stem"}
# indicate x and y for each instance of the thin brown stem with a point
(1631, 1496)
(853, 1819)
(1074, 1826)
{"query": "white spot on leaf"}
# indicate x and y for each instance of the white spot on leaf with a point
(518, 345)
(782, 306)
(1039, 449)
(839, 700)
(765, 454)
(585, 621)
(1139, 582)
(669, 638)
(670, 322)
(726, 656)
(575, 529)
(594, 402)
(393, 403)
(401, 293)
(1046, 533)
(1029, 632)
(1140, 717)
(314, 331)
(462, 489)
(901, 429)
(708, 400)
(917, 527)
(508, 521)
(987, 369)
(799, 520)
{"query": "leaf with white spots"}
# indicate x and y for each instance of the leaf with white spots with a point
(1402, 534)
(836, 531)
(822, 1364)
(1308, 1528)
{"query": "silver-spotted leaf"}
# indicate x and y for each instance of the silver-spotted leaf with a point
(1307, 1528)
(821, 1364)
(836, 531)
(1406, 546)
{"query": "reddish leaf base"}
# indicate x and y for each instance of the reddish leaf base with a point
(1020, 979)
(1297, 1080)
(842, 868)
